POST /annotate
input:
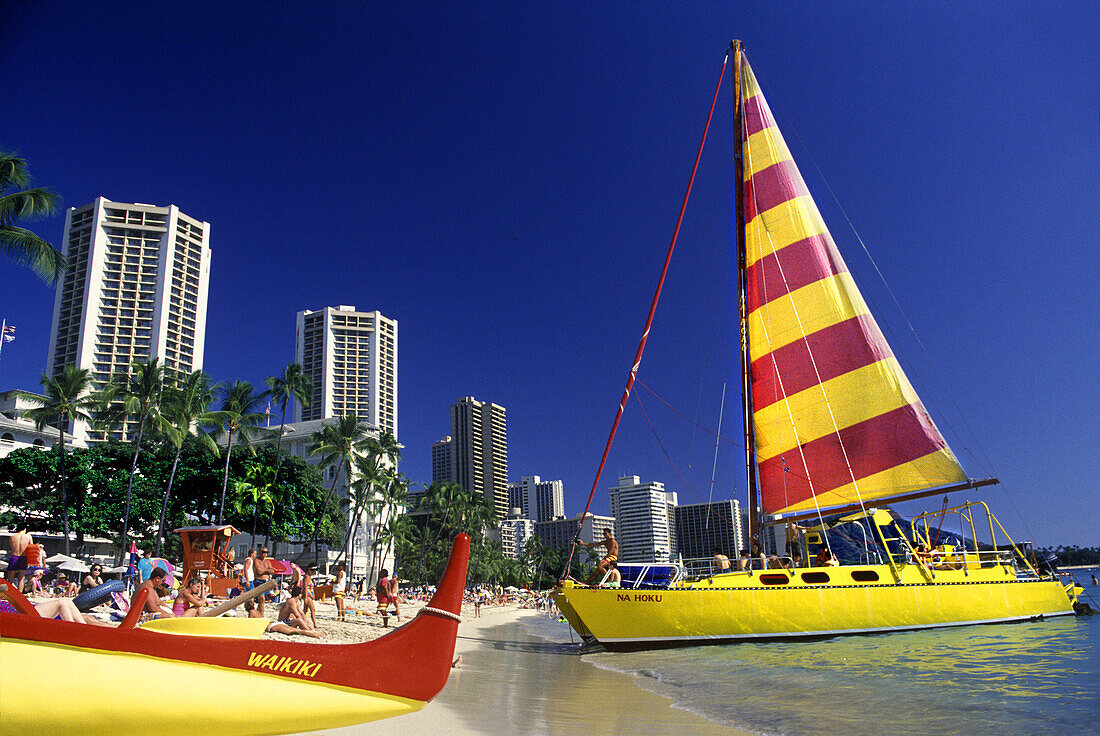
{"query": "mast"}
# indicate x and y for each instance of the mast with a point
(746, 364)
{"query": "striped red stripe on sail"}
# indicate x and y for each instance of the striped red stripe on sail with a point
(844, 434)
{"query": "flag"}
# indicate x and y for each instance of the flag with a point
(9, 333)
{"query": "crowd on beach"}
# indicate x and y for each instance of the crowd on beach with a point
(346, 611)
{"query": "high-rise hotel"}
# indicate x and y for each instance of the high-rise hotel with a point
(351, 357)
(136, 288)
(476, 454)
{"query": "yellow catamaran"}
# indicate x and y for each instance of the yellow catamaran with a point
(833, 429)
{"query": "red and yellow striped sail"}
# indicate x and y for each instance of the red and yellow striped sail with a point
(835, 418)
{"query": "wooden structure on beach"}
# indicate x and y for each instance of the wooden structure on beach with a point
(206, 551)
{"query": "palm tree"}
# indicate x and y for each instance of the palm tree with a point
(184, 405)
(253, 492)
(239, 419)
(68, 399)
(135, 396)
(18, 243)
(292, 384)
(337, 443)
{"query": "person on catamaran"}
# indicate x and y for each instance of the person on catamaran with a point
(719, 563)
(611, 548)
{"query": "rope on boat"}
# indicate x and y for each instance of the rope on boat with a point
(439, 612)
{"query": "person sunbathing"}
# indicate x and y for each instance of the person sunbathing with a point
(278, 627)
(59, 608)
(191, 600)
(291, 613)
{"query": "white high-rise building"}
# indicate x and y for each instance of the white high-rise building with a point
(136, 288)
(645, 522)
(480, 431)
(443, 461)
(514, 533)
(351, 357)
(538, 499)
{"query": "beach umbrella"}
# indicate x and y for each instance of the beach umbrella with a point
(74, 566)
(116, 570)
(131, 568)
(512, 589)
(59, 558)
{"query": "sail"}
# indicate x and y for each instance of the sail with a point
(836, 421)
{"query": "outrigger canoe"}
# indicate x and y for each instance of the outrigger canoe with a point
(227, 686)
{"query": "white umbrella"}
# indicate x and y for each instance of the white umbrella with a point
(59, 558)
(74, 566)
(511, 589)
(117, 570)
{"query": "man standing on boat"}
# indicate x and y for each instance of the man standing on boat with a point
(612, 555)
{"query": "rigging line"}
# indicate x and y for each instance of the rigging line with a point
(668, 457)
(706, 429)
(652, 310)
(943, 381)
(714, 465)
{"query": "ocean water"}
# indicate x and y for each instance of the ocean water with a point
(1008, 679)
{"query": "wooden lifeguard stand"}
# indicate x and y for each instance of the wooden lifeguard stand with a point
(206, 550)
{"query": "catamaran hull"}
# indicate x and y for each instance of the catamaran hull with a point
(623, 620)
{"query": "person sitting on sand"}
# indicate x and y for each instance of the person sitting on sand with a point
(191, 600)
(611, 554)
(63, 586)
(291, 614)
(93, 579)
(278, 627)
(153, 604)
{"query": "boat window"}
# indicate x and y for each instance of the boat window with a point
(864, 576)
(774, 579)
(815, 577)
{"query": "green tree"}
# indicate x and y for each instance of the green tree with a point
(67, 399)
(17, 202)
(254, 491)
(292, 384)
(238, 419)
(136, 397)
(336, 443)
(184, 406)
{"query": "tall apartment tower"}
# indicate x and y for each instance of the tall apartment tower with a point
(351, 357)
(645, 521)
(136, 288)
(702, 528)
(480, 433)
(443, 461)
(539, 499)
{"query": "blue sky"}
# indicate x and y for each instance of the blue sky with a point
(504, 179)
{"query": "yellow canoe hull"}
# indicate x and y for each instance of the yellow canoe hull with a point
(739, 606)
(223, 626)
(124, 691)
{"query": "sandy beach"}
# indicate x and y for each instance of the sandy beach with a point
(510, 682)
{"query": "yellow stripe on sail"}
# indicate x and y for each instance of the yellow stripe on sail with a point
(794, 220)
(763, 149)
(803, 312)
(854, 397)
(749, 87)
(930, 471)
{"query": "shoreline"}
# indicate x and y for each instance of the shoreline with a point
(511, 681)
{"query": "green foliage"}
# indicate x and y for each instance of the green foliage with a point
(20, 203)
(98, 476)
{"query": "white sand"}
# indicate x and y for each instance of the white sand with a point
(509, 683)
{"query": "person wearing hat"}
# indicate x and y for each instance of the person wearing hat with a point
(63, 586)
